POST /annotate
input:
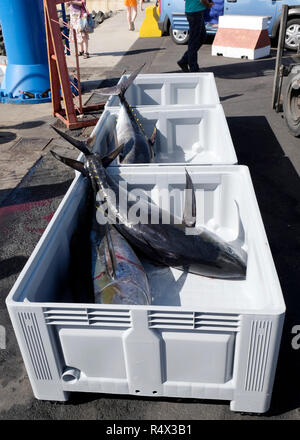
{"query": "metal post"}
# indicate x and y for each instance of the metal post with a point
(277, 85)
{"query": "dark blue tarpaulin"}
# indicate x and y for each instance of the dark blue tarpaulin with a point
(212, 15)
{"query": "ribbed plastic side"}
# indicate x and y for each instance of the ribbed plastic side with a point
(88, 317)
(35, 345)
(258, 355)
(193, 321)
(179, 21)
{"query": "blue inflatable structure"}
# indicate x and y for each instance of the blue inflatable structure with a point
(26, 78)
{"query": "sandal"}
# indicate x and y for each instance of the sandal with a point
(80, 53)
(86, 55)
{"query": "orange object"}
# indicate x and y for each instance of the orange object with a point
(130, 2)
(71, 114)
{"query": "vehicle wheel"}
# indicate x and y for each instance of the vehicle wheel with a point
(178, 36)
(291, 104)
(2, 47)
(292, 37)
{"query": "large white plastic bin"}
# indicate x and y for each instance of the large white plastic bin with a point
(170, 89)
(200, 338)
(196, 135)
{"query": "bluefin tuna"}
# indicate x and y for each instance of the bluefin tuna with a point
(118, 275)
(137, 147)
(202, 252)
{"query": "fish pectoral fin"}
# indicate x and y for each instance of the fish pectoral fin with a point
(189, 214)
(109, 158)
(80, 145)
(110, 256)
(75, 164)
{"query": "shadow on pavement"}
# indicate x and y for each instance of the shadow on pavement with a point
(7, 136)
(247, 69)
(12, 266)
(25, 125)
(89, 86)
(277, 187)
(32, 194)
(126, 53)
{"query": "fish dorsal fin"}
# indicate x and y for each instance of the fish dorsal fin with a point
(151, 142)
(241, 238)
(80, 145)
(75, 164)
(109, 158)
(153, 136)
(110, 256)
(189, 214)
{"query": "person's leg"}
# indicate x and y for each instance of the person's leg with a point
(129, 16)
(134, 13)
(194, 40)
(198, 37)
(86, 45)
(133, 17)
(184, 61)
(203, 30)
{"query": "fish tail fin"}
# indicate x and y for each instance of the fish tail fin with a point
(75, 164)
(80, 145)
(121, 88)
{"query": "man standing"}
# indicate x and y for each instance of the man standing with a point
(194, 11)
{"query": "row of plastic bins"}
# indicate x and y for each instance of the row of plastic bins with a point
(200, 337)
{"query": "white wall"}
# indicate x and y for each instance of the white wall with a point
(105, 5)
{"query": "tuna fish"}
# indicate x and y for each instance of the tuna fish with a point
(202, 252)
(138, 148)
(118, 275)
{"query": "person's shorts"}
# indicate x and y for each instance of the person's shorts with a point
(130, 2)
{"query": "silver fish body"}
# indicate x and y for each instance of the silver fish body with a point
(129, 285)
(137, 148)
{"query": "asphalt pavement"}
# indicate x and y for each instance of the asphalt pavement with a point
(32, 185)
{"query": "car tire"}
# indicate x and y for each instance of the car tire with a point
(178, 36)
(291, 107)
(292, 37)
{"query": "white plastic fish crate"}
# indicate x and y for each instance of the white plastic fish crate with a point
(198, 136)
(200, 338)
(170, 89)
